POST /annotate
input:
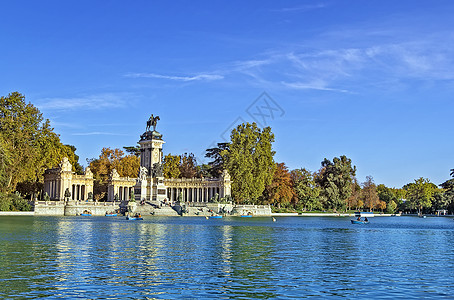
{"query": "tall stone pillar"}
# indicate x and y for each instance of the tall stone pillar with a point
(151, 160)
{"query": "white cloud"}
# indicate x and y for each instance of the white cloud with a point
(92, 102)
(302, 8)
(314, 85)
(99, 133)
(200, 77)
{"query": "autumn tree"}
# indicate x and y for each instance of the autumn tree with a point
(249, 161)
(280, 191)
(355, 201)
(369, 195)
(188, 165)
(171, 166)
(335, 180)
(109, 159)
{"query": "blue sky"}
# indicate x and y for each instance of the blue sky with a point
(373, 80)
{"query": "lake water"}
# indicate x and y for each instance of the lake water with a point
(184, 257)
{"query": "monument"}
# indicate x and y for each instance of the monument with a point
(150, 183)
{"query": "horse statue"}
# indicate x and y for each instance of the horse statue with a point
(152, 121)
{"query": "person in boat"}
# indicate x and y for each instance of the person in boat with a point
(366, 220)
(359, 219)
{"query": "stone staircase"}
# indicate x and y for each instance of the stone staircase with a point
(148, 209)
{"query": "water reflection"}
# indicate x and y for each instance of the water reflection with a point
(99, 257)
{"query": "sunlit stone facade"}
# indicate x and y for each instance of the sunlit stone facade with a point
(58, 180)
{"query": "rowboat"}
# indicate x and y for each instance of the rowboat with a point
(246, 216)
(134, 218)
(85, 214)
(215, 217)
(111, 215)
(359, 222)
(364, 214)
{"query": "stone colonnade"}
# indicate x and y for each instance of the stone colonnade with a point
(198, 189)
(193, 194)
(120, 186)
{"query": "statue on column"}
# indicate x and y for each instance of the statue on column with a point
(157, 170)
(152, 121)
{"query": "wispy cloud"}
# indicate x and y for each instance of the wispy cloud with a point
(351, 69)
(199, 77)
(314, 85)
(91, 102)
(100, 133)
(301, 8)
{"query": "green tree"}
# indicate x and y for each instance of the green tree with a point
(448, 194)
(421, 193)
(306, 190)
(249, 161)
(28, 144)
(133, 150)
(391, 207)
(171, 166)
(13, 202)
(217, 165)
(335, 180)
(386, 194)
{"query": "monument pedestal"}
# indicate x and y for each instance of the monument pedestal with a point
(159, 190)
(140, 190)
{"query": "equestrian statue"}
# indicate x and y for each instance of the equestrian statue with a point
(152, 121)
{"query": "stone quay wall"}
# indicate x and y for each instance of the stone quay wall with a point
(73, 208)
(255, 210)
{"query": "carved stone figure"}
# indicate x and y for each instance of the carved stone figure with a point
(143, 173)
(152, 121)
(157, 170)
(114, 174)
(65, 165)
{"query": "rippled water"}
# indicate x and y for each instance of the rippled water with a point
(174, 257)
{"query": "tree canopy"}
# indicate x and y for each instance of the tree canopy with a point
(335, 179)
(28, 145)
(249, 161)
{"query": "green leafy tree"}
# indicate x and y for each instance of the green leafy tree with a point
(28, 144)
(421, 193)
(249, 161)
(204, 170)
(171, 166)
(448, 194)
(335, 180)
(13, 202)
(217, 165)
(133, 150)
(386, 194)
(391, 207)
(306, 190)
